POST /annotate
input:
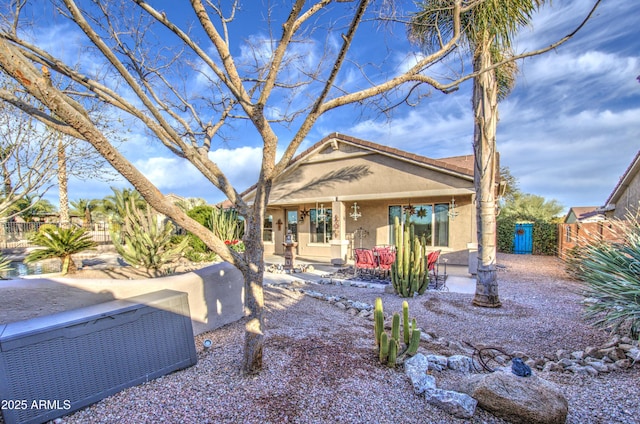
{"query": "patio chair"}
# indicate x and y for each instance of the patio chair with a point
(365, 260)
(437, 281)
(386, 257)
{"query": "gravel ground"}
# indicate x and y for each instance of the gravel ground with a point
(320, 364)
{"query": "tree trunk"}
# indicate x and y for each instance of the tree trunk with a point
(63, 189)
(253, 282)
(485, 105)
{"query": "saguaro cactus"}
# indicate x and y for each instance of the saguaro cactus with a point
(392, 348)
(409, 273)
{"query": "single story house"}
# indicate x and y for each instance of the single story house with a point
(344, 193)
(581, 225)
(584, 214)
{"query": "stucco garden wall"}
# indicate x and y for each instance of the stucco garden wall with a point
(215, 294)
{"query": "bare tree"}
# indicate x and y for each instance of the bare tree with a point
(150, 80)
(27, 161)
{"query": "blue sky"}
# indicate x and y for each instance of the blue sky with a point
(568, 130)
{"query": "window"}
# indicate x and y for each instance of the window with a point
(567, 233)
(267, 231)
(430, 221)
(320, 225)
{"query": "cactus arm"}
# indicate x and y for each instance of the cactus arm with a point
(378, 325)
(384, 347)
(405, 321)
(395, 327)
(393, 352)
(414, 343)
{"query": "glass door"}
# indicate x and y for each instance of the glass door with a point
(292, 224)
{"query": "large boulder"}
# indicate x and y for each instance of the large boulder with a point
(530, 400)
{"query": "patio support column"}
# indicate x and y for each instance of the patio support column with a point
(339, 244)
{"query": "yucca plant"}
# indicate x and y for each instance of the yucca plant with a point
(612, 274)
(60, 243)
(145, 242)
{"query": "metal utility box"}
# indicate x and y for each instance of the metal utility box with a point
(53, 365)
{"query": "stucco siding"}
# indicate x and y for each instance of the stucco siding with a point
(365, 174)
(629, 198)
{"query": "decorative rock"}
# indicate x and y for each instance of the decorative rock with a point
(457, 404)
(352, 311)
(593, 352)
(552, 366)
(416, 369)
(341, 305)
(615, 340)
(565, 363)
(389, 289)
(562, 354)
(633, 354)
(521, 355)
(529, 400)
(625, 346)
(437, 362)
(623, 364)
(361, 305)
(585, 371)
(598, 365)
(460, 363)
(363, 313)
(614, 353)
(532, 363)
(426, 337)
(578, 355)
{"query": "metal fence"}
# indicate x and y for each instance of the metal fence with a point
(18, 234)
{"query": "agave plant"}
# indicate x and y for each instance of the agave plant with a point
(60, 243)
(612, 274)
(145, 242)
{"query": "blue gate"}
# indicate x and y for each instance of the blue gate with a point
(523, 239)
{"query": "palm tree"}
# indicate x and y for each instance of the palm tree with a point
(60, 243)
(488, 28)
(116, 205)
(28, 207)
(84, 208)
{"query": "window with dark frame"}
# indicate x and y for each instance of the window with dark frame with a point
(429, 220)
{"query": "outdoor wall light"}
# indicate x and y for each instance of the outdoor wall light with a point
(452, 209)
(355, 214)
(279, 224)
(207, 343)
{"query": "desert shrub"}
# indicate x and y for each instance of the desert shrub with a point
(612, 274)
(224, 223)
(143, 241)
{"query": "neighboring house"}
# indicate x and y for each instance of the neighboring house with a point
(583, 224)
(343, 193)
(583, 214)
(625, 197)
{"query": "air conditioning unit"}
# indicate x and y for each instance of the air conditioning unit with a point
(53, 365)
